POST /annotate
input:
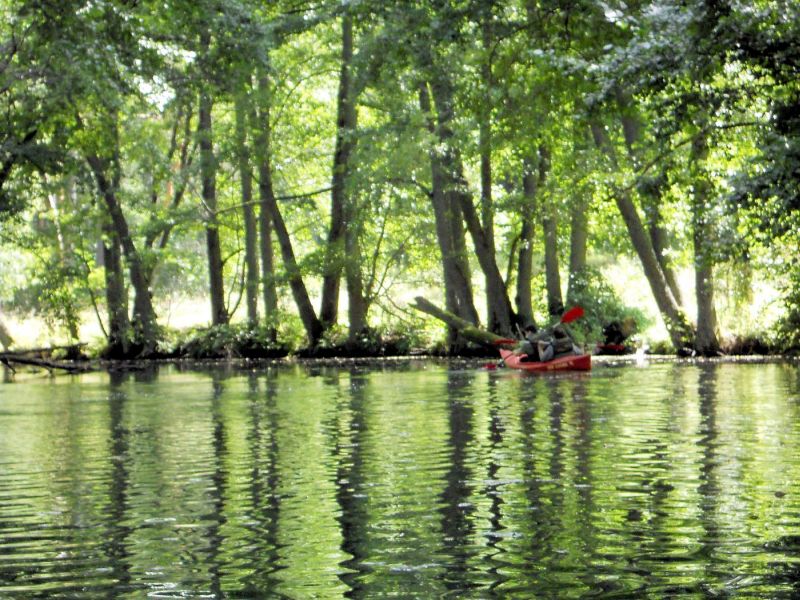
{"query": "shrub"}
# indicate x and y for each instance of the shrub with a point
(601, 306)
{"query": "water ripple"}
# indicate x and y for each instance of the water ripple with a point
(416, 482)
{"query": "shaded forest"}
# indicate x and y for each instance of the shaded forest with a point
(306, 167)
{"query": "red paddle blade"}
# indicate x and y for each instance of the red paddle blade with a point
(504, 341)
(572, 314)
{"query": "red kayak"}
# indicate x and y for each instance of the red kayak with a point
(574, 362)
(613, 349)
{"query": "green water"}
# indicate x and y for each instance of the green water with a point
(413, 481)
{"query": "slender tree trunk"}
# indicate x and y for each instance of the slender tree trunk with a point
(116, 295)
(660, 239)
(678, 326)
(500, 311)
(269, 291)
(458, 289)
(651, 194)
(706, 341)
(345, 142)
(525, 261)
(144, 317)
(555, 302)
(357, 305)
(158, 234)
(65, 254)
(311, 323)
(259, 115)
(208, 174)
(578, 236)
(248, 210)
(487, 202)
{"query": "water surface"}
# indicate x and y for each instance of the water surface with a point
(416, 481)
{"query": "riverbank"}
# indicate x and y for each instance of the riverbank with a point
(239, 365)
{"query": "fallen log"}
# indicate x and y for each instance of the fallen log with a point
(46, 351)
(465, 328)
(71, 367)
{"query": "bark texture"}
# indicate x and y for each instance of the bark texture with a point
(523, 296)
(449, 234)
(456, 195)
(116, 295)
(208, 175)
(467, 329)
(308, 316)
(335, 255)
(248, 211)
(706, 341)
(680, 331)
(144, 316)
(578, 236)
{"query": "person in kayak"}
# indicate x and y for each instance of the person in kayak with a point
(563, 344)
(547, 344)
(615, 337)
(536, 346)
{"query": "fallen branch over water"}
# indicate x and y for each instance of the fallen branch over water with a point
(9, 358)
(465, 328)
(71, 350)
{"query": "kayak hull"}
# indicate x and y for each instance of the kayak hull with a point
(613, 349)
(577, 362)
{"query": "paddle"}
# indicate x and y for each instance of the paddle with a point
(572, 314)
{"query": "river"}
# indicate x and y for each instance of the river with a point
(414, 480)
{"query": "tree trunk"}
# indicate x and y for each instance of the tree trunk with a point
(269, 291)
(651, 194)
(501, 314)
(487, 202)
(659, 237)
(144, 317)
(259, 115)
(311, 323)
(357, 305)
(578, 235)
(116, 295)
(706, 341)
(248, 210)
(555, 302)
(345, 142)
(678, 326)
(208, 175)
(455, 188)
(465, 328)
(447, 215)
(525, 262)
(5, 337)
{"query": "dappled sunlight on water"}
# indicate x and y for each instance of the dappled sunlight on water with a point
(413, 481)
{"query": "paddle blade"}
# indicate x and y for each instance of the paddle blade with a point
(572, 314)
(504, 342)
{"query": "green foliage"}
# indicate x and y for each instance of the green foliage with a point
(230, 341)
(786, 333)
(56, 294)
(601, 305)
(121, 81)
